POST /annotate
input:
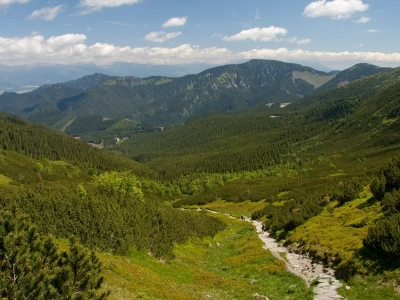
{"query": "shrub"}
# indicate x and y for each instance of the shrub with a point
(32, 268)
(384, 237)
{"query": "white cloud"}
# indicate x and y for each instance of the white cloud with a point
(216, 35)
(372, 31)
(363, 20)
(98, 5)
(47, 13)
(117, 23)
(258, 15)
(291, 40)
(161, 36)
(6, 3)
(335, 9)
(304, 41)
(71, 48)
(257, 34)
(175, 22)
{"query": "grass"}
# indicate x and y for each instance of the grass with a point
(338, 231)
(4, 179)
(58, 163)
(371, 287)
(123, 124)
(220, 268)
(237, 210)
(163, 81)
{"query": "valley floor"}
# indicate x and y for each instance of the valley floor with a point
(233, 265)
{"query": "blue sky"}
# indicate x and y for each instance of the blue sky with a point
(335, 33)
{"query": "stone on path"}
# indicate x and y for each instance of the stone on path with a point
(324, 297)
(257, 296)
(336, 283)
(324, 284)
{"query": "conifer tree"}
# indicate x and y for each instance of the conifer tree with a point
(32, 268)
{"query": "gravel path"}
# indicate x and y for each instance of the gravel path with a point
(303, 267)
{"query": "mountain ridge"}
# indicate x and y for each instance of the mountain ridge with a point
(171, 100)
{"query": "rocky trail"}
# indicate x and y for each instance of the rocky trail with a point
(301, 265)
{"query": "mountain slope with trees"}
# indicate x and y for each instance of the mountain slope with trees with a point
(166, 100)
(356, 72)
(315, 159)
(322, 173)
(107, 201)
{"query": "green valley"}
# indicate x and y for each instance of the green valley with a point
(322, 174)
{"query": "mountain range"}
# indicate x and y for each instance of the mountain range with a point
(171, 100)
(28, 77)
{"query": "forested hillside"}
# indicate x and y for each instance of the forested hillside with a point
(109, 202)
(349, 75)
(322, 174)
(328, 156)
(266, 137)
(165, 100)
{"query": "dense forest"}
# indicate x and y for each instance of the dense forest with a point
(65, 194)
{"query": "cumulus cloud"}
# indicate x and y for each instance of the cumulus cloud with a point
(161, 36)
(6, 3)
(257, 34)
(363, 20)
(72, 48)
(303, 41)
(47, 13)
(175, 22)
(97, 5)
(335, 9)
(335, 60)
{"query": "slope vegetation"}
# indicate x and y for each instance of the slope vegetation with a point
(165, 100)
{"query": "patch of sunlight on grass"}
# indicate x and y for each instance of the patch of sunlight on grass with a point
(4, 179)
(58, 163)
(337, 174)
(235, 209)
(281, 194)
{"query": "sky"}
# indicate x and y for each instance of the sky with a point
(334, 33)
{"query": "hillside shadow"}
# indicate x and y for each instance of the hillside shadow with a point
(371, 201)
(371, 262)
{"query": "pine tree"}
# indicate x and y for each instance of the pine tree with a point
(80, 274)
(27, 261)
(32, 268)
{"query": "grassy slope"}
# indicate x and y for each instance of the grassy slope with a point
(221, 268)
(338, 231)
